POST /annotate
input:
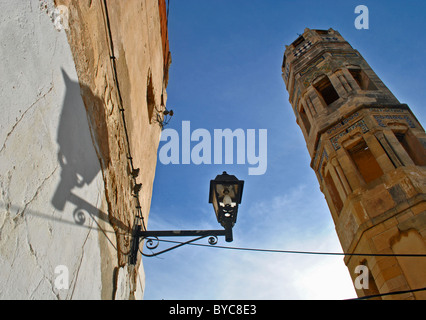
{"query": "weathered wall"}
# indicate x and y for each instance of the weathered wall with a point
(117, 49)
(66, 191)
(53, 209)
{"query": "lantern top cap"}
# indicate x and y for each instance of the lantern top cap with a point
(224, 177)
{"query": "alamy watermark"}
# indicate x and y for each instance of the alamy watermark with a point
(62, 278)
(361, 282)
(362, 21)
(198, 147)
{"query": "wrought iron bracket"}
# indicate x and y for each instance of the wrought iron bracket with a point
(152, 239)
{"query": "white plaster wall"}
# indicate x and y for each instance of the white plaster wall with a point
(52, 206)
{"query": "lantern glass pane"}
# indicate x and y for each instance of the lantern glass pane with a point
(215, 203)
(229, 190)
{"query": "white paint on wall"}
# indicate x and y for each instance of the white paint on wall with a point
(52, 205)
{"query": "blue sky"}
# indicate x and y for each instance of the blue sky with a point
(226, 73)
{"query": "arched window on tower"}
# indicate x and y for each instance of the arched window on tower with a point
(365, 161)
(362, 79)
(331, 186)
(412, 146)
(326, 90)
(333, 192)
(370, 289)
(305, 120)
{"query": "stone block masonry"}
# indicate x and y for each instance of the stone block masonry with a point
(368, 152)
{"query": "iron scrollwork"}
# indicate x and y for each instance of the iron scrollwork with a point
(153, 242)
(213, 240)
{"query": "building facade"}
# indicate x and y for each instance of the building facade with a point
(83, 90)
(368, 151)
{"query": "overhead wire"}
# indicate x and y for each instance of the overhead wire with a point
(314, 253)
(388, 294)
(299, 252)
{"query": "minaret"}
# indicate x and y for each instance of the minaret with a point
(368, 152)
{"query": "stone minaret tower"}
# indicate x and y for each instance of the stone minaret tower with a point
(368, 152)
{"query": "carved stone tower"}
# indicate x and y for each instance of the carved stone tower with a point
(368, 152)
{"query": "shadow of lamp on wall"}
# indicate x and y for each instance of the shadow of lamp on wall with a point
(225, 194)
(82, 128)
(76, 154)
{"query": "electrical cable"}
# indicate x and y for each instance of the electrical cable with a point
(311, 253)
(300, 252)
(388, 294)
(138, 214)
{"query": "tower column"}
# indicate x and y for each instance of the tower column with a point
(368, 152)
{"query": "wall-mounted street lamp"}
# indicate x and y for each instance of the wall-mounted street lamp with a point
(225, 194)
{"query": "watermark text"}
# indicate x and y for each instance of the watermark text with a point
(362, 21)
(198, 147)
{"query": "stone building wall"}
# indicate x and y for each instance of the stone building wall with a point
(67, 201)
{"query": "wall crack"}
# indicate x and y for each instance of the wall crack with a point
(22, 116)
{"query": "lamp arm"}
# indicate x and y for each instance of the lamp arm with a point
(171, 248)
(138, 234)
(181, 233)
